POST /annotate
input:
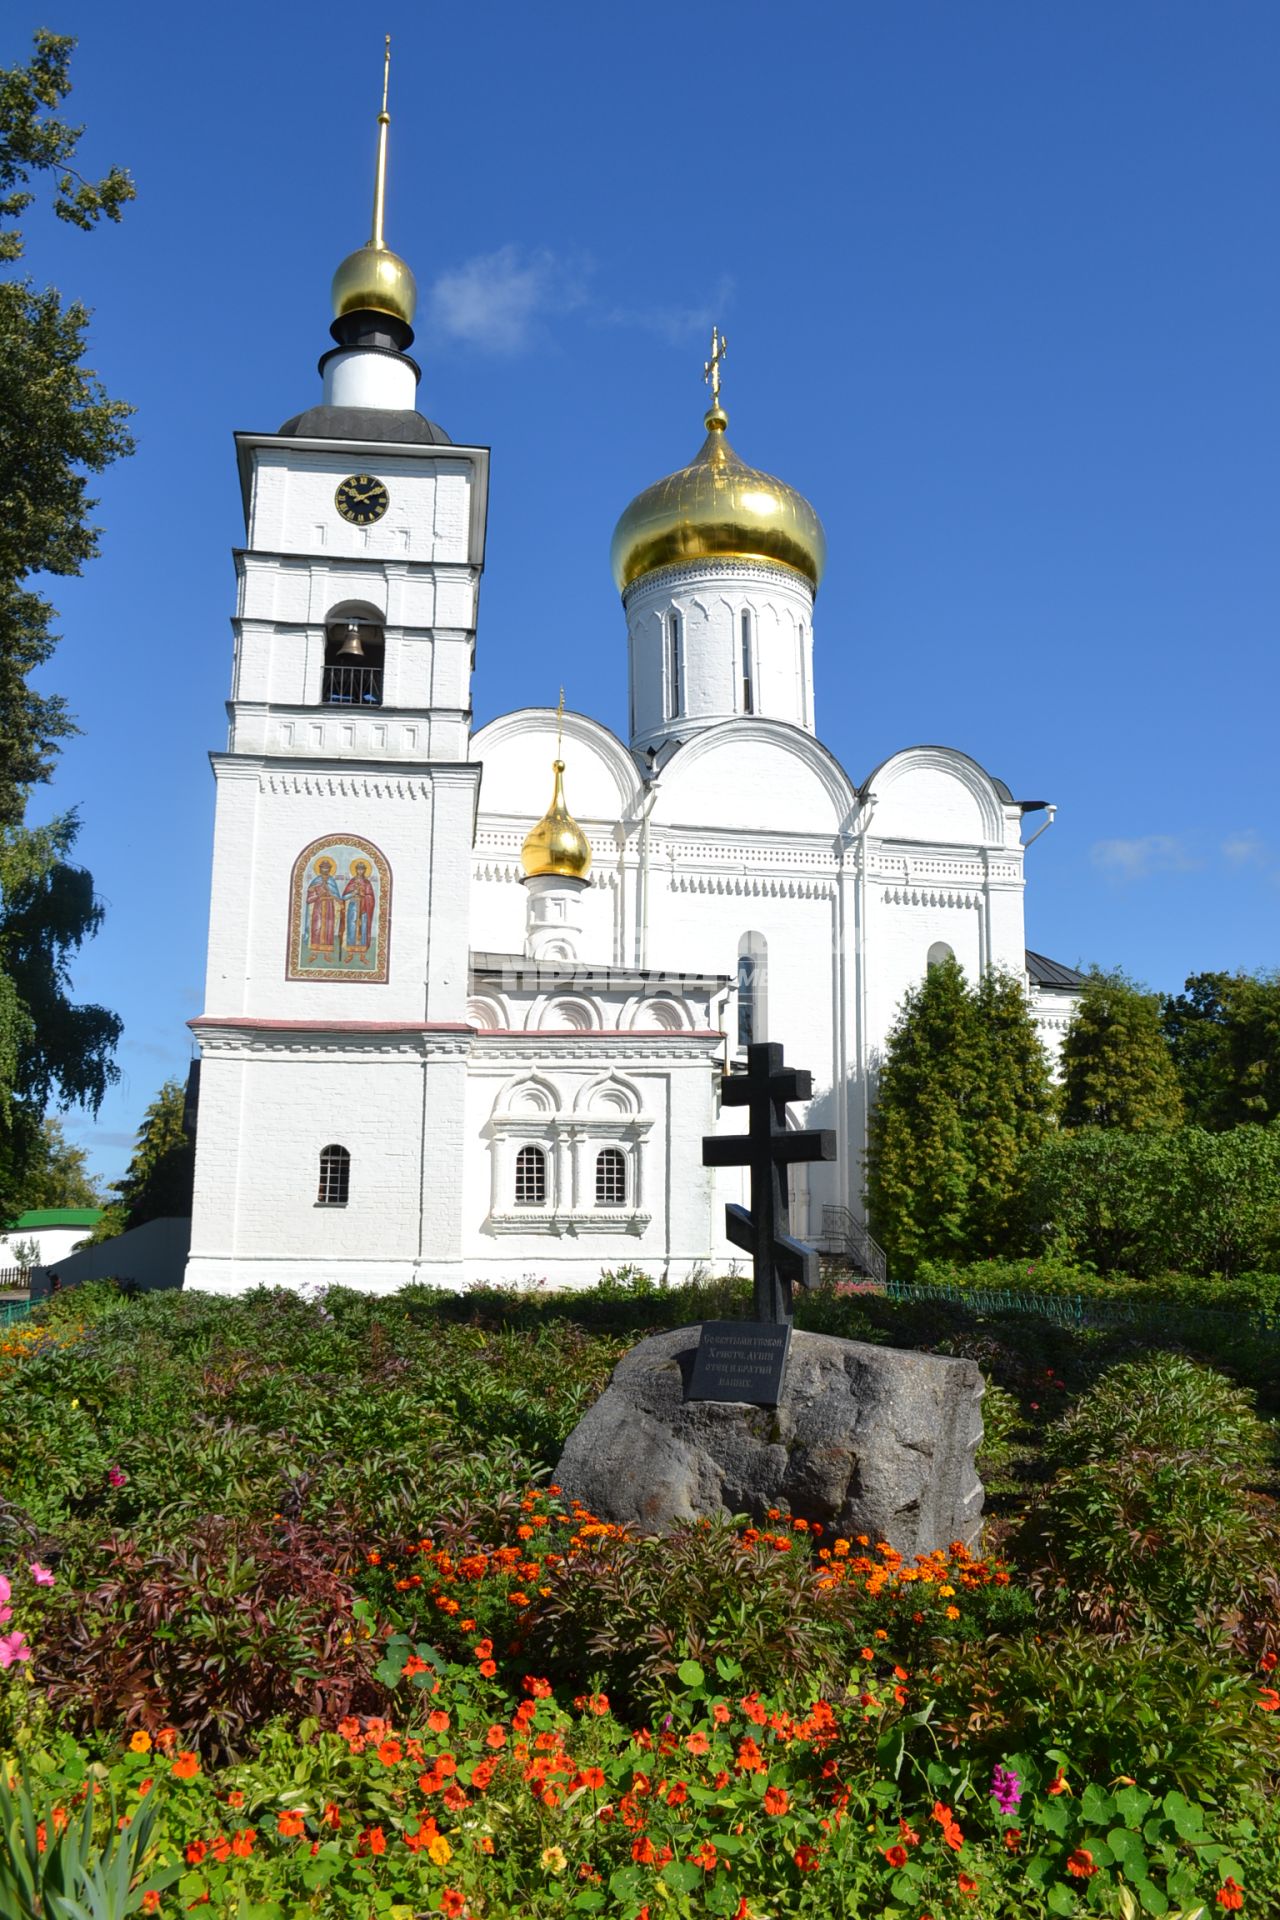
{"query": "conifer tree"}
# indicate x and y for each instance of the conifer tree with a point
(1116, 1067)
(161, 1174)
(963, 1094)
(1223, 1031)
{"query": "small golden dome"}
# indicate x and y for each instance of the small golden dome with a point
(718, 508)
(557, 844)
(373, 279)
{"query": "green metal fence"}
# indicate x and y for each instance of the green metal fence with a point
(13, 1310)
(1082, 1310)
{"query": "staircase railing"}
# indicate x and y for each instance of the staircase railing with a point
(842, 1233)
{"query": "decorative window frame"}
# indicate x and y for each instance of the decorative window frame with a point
(529, 1112)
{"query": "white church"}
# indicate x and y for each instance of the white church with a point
(456, 1032)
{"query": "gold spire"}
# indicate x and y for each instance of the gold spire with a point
(717, 508)
(557, 845)
(373, 278)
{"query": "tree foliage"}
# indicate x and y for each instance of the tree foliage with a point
(1160, 1200)
(1116, 1067)
(1223, 1032)
(57, 1174)
(161, 1174)
(57, 426)
(963, 1094)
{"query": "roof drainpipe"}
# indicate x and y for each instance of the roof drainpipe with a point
(1034, 806)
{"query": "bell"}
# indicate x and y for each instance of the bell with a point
(352, 647)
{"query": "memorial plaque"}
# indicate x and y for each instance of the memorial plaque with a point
(740, 1360)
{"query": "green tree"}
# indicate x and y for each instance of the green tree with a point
(1116, 1066)
(1223, 1032)
(57, 1174)
(161, 1174)
(963, 1095)
(57, 425)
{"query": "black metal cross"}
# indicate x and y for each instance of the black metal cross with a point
(779, 1262)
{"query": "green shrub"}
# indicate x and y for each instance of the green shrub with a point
(1165, 1404)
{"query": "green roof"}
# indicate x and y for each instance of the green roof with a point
(55, 1217)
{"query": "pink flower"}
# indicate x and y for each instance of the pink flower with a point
(114, 1477)
(41, 1575)
(13, 1646)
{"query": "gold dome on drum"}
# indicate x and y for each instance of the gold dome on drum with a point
(557, 844)
(718, 508)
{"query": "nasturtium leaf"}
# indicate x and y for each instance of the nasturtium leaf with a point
(1129, 1851)
(1060, 1898)
(690, 1674)
(589, 1902)
(1133, 1805)
(727, 1844)
(1153, 1901)
(682, 1876)
(1187, 1817)
(625, 1883)
(1054, 1815)
(1097, 1806)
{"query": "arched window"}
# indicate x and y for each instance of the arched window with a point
(748, 684)
(675, 665)
(753, 966)
(611, 1178)
(335, 1177)
(939, 953)
(354, 652)
(531, 1177)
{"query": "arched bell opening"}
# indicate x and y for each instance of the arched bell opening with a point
(355, 650)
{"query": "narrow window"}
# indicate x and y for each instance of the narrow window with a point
(675, 665)
(611, 1178)
(806, 697)
(335, 1177)
(753, 963)
(748, 689)
(940, 953)
(531, 1177)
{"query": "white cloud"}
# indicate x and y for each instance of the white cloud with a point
(495, 300)
(677, 324)
(1245, 849)
(1135, 859)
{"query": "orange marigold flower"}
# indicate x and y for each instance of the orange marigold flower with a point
(776, 1800)
(1230, 1895)
(953, 1613)
(896, 1856)
(289, 1824)
(438, 1720)
(140, 1743)
(185, 1767)
(518, 1599)
(1080, 1863)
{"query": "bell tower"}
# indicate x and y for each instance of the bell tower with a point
(333, 1039)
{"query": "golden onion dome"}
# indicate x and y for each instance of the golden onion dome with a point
(373, 279)
(557, 845)
(718, 508)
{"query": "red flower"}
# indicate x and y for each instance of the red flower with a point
(807, 1859)
(1229, 1894)
(438, 1721)
(235, 1798)
(289, 1824)
(967, 1884)
(539, 1689)
(488, 1668)
(196, 1853)
(151, 1901)
(599, 1703)
(242, 1842)
(592, 1777)
(750, 1758)
(372, 1840)
(706, 1857)
(1268, 1699)
(483, 1774)
(697, 1744)
(776, 1800)
(391, 1753)
(896, 1856)
(451, 1902)
(679, 1793)
(1012, 1839)
(1268, 1662)
(185, 1767)
(1058, 1784)
(1080, 1863)
(496, 1737)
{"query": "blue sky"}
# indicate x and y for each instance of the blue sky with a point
(1002, 292)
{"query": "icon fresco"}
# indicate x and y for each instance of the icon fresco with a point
(339, 911)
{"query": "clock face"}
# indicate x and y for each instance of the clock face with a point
(362, 499)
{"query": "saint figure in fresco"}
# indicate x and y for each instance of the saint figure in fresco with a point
(323, 906)
(361, 906)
